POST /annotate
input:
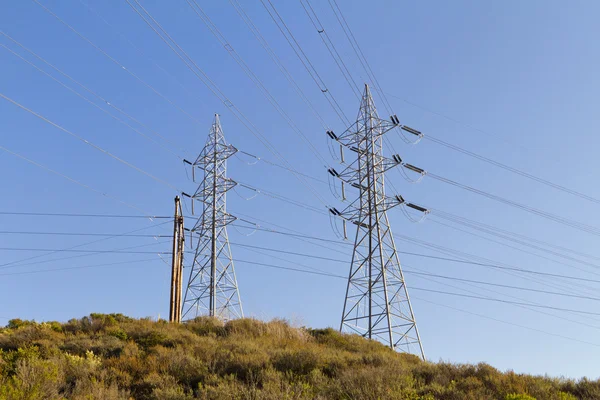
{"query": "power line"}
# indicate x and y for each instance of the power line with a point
(522, 243)
(557, 218)
(85, 251)
(463, 256)
(433, 290)
(314, 19)
(121, 66)
(78, 234)
(290, 253)
(445, 215)
(506, 322)
(502, 138)
(513, 170)
(536, 310)
(291, 40)
(456, 260)
(100, 149)
(291, 269)
(255, 79)
(38, 214)
(79, 267)
(122, 35)
(19, 263)
(71, 180)
(169, 150)
(402, 237)
(273, 164)
(258, 35)
(409, 271)
(505, 234)
(359, 53)
(528, 271)
(210, 84)
(502, 285)
(282, 198)
(506, 301)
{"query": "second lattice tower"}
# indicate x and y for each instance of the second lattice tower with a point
(212, 287)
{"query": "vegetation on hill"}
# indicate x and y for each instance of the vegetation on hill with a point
(115, 357)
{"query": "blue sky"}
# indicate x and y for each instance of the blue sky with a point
(519, 77)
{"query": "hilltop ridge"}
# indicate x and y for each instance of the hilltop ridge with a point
(116, 357)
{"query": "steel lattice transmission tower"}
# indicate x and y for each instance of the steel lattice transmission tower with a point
(377, 305)
(212, 287)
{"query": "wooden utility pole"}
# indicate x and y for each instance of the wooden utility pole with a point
(176, 265)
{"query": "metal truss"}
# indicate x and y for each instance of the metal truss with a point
(212, 287)
(377, 305)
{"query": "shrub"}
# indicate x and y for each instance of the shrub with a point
(515, 396)
(110, 356)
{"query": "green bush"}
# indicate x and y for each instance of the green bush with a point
(514, 396)
(110, 356)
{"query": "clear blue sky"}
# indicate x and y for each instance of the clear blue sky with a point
(523, 73)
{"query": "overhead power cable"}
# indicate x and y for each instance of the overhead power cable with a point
(210, 84)
(406, 238)
(273, 164)
(514, 170)
(410, 271)
(510, 236)
(265, 44)
(434, 291)
(361, 56)
(38, 214)
(418, 242)
(415, 272)
(83, 185)
(79, 234)
(121, 66)
(136, 48)
(38, 271)
(513, 298)
(455, 260)
(19, 263)
(282, 198)
(489, 283)
(401, 237)
(85, 251)
(87, 100)
(505, 322)
(553, 217)
(505, 268)
(308, 65)
(100, 149)
(253, 77)
(547, 251)
(314, 19)
(490, 265)
(263, 229)
(506, 301)
(505, 234)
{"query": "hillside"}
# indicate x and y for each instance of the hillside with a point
(116, 357)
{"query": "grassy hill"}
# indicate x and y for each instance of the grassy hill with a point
(115, 357)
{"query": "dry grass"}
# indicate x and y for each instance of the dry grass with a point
(115, 357)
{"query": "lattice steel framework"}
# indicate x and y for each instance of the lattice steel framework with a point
(212, 287)
(377, 305)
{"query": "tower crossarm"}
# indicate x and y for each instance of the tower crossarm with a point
(206, 157)
(204, 192)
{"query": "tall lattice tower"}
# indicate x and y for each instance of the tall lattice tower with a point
(377, 305)
(212, 287)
